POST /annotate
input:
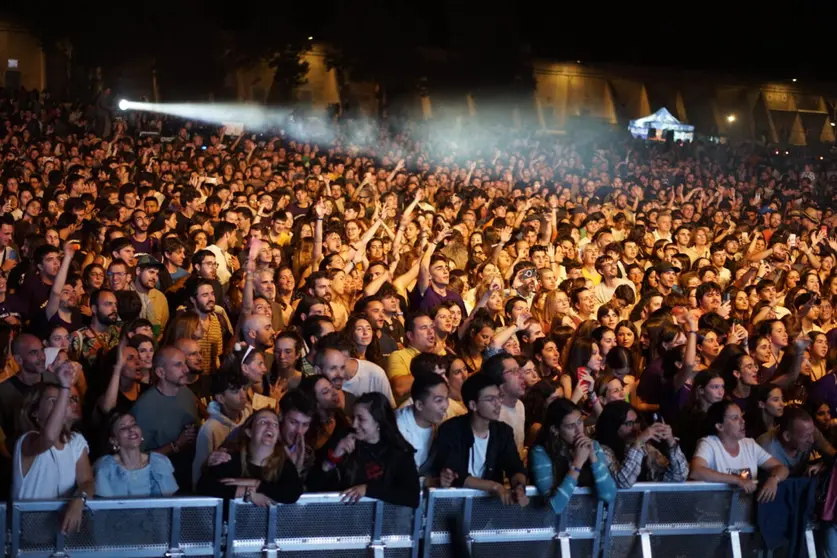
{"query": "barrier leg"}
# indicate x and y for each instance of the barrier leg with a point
(564, 539)
(809, 542)
(735, 541)
(270, 549)
(645, 539)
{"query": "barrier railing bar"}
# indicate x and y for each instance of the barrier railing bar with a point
(233, 507)
(597, 532)
(644, 534)
(376, 545)
(428, 523)
(418, 519)
(219, 530)
(467, 510)
(15, 533)
(271, 546)
(174, 534)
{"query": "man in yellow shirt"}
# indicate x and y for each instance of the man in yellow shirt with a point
(421, 338)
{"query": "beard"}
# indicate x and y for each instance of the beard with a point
(107, 319)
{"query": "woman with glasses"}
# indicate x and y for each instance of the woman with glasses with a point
(629, 453)
(258, 469)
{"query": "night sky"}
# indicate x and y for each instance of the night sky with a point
(767, 40)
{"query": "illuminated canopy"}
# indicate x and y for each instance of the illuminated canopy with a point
(655, 126)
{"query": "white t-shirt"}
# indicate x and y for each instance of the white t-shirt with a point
(420, 438)
(52, 474)
(370, 377)
(516, 418)
(604, 294)
(750, 456)
(476, 463)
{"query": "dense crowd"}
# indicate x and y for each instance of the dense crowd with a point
(257, 316)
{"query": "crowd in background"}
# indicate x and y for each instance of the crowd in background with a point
(255, 316)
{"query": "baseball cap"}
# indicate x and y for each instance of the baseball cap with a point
(146, 260)
(665, 267)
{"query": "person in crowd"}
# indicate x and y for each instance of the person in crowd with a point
(373, 461)
(505, 371)
(563, 457)
(770, 405)
(168, 414)
(128, 472)
(630, 455)
(258, 470)
(419, 421)
(296, 411)
(477, 450)
(229, 408)
(51, 460)
(421, 338)
(28, 354)
(725, 455)
(793, 442)
(330, 422)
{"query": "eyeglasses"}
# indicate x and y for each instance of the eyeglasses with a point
(213, 264)
(490, 399)
(117, 274)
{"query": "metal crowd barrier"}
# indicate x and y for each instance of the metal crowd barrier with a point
(649, 520)
(491, 529)
(320, 523)
(684, 519)
(171, 527)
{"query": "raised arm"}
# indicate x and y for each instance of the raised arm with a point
(317, 254)
(38, 442)
(60, 280)
(108, 400)
(687, 371)
(424, 265)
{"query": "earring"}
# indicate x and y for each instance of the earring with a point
(115, 448)
(142, 438)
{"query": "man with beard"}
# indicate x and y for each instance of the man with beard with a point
(258, 332)
(155, 307)
(103, 333)
(319, 285)
(224, 241)
(434, 275)
(204, 267)
(62, 306)
(28, 353)
(168, 413)
(202, 299)
(198, 382)
(35, 288)
(525, 281)
(421, 338)
(140, 240)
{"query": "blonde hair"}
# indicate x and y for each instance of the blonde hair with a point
(27, 421)
(183, 326)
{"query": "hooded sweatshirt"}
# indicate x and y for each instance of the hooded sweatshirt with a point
(212, 435)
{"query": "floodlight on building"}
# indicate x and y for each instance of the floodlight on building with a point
(731, 118)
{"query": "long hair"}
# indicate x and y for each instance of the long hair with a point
(610, 421)
(373, 351)
(578, 355)
(553, 444)
(183, 326)
(276, 460)
(308, 386)
(382, 412)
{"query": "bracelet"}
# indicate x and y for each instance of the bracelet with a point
(64, 388)
(173, 447)
(576, 469)
(691, 332)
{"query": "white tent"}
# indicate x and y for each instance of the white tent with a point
(660, 122)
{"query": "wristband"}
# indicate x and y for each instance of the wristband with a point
(173, 447)
(333, 459)
(64, 388)
(576, 469)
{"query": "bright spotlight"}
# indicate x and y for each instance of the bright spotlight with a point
(834, 123)
(794, 80)
(731, 118)
(310, 38)
(123, 104)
